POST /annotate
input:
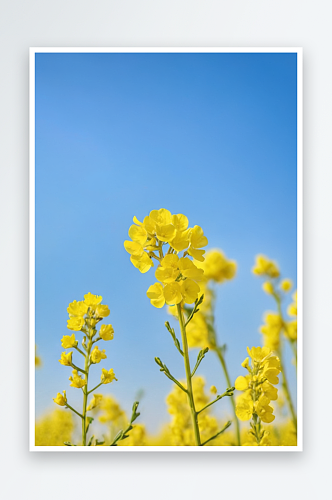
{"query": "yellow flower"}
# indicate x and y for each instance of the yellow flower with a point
(286, 285)
(181, 240)
(133, 248)
(197, 240)
(172, 293)
(263, 410)
(61, 400)
(95, 401)
(269, 391)
(168, 271)
(75, 323)
(142, 262)
(259, 391)
(213, 389)
(180, 222)
(161, 217)
(216, 266)
(54, 428)
(38, 361)
(241, 383)
(291, 330)
(76, 380)
(271, 330)
(264, 266)
(138, 234)
(271, 374)
(97, 355)
(156, 295)
(77, 309)
(189, 291)
(107, 376)
(68, 341)
(244, 408)
(112, 412)
(66, 359)
(102, 311)
(268, 287)
(245, 364)
(106, 332)
(258, 353)
(165, 233)
(92, 300)
(189, 270)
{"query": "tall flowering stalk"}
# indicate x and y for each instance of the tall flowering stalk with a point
(275, 323)
(162, 237)
(257, 392)
(202, 329)
(84, 317)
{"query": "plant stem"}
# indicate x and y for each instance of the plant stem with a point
(286, 390)
(284, 379)
(188, 376)
(224, 367)
(85, 390)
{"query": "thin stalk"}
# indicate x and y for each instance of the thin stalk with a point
(72, 409)
(188, 376)
(284, 379)
(85, 391)
(294, 349)
(224, 367)
(287, 393)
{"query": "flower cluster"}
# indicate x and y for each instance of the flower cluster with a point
(271, 330)
(217, 267)
(265, 267)
(84, 316)
(274, 321)
(258, 389)
(177, 276)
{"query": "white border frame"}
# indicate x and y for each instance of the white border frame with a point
(120, 449)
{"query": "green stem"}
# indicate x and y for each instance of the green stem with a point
(214, 401)
(294, 349)
(287, 393)
(101, 383)
(85, 391)
(188, 376)
(284, 379)
(79, 350)
(224, 367)
(72, 409)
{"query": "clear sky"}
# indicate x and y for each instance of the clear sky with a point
(212, 136)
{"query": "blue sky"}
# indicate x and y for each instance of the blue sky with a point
(212, 136)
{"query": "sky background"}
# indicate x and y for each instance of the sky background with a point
(212, 136)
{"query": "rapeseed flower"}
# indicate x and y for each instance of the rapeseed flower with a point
(177, 276)
(217, 267)
(84, 316)
(66, 359)
(60, 399)
(107, 376)
(106, 332)
(76, 380)
(69, 341)
(258, 390)
(95, 401)
(265, 267)
(97, 355)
